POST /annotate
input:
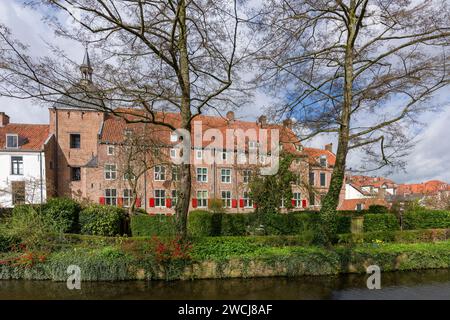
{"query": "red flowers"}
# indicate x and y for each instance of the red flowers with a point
(169, 250)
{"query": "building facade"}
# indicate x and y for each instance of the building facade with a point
(26, 169)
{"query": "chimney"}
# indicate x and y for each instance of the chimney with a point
(287, 123)
(4, 119)
(262, 120)
(230, 116)
(329, 147)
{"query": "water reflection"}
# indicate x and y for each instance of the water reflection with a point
(430, 284)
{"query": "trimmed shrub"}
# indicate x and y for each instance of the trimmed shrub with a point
(101, 220)
(380, 222)
(426, 219)
(344, 224)
(66, 211)
(376, 208)
(153, 225)
(200, 223)
(234, 224)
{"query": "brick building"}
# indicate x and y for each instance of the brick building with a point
(88, 157)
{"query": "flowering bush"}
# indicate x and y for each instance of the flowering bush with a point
(174, 249)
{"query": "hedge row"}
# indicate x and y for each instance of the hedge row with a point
(72, 218)
(204, 224)
(426, 219)
(380, 222)
(408, 236)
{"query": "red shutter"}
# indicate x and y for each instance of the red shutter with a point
(255, 205)
(152, 202)
(102, 200)
(169, 203)
(241, 203)
(233, 203)
(293, 202)
(194, 203)
(138, 202)
(120, 202)
(304, 203)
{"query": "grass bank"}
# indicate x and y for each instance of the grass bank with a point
(113, 259)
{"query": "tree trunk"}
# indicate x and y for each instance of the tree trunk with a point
(328, 213)
(184, 192)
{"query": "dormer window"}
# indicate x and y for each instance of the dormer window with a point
(173, 137)
(299, 147)
(323, 161)
(12, 141)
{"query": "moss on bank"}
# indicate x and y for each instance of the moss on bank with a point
(233, 257)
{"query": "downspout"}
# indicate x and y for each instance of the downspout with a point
(41, 176)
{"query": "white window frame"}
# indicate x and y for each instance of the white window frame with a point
(224, 156)
(173, 137)
(323, 158)
(246, 175)
(174, 194)
(111, 199)
(252, 144)
(173, 153)
(223, 177)
(127, 198)
(199, 154)
(111, 170)
(108, 150)
(19, 167)
(175, 173)
(248, 202)
(202, 198)
(226, 198)
(16, 136)
(202, 174)
(325, 179)
(297, 198)
(160, 198)
(160, 173)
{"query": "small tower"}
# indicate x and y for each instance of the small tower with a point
(86, 69)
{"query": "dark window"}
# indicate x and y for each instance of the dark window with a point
(12, 141)
(17, 165)
(323, 162)
(312, 199)
(18, 192)
(323, 180)
(359, 206)
(75, 173)
(311, 178)
(75, 141)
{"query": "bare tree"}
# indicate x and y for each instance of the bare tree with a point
(157, 55)
(361, 70)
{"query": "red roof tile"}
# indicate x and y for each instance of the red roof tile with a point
(427, 187)
(31, 136)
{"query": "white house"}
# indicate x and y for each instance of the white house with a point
(353, 192)
(25, 175)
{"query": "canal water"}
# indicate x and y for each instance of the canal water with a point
(429, 284)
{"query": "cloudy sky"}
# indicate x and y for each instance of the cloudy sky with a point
(429, 159)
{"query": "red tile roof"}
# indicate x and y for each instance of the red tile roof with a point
(350, 204)
(314, 155)
(114, 128)
(377, 182)
(428, 187)
(31, 136)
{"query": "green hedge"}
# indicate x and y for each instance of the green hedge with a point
(153, 225)
(380, 222)
(101, 220)
(200, 223)
(7, 242)
(408, 236)
(426, 219)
